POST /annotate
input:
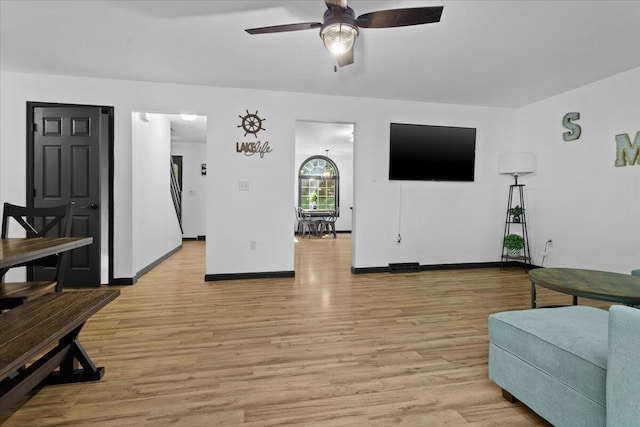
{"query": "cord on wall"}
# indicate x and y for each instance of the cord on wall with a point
(546, 251)
(399, 238)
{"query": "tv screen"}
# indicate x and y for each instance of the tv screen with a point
(431, 153)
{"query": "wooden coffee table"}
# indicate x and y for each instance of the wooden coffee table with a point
(594, 284)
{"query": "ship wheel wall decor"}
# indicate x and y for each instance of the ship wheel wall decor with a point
(251, 123)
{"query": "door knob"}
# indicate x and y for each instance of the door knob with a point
(91, 206)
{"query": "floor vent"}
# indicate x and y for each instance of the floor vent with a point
(404, 267)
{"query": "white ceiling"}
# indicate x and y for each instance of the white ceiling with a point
(188, 131)
(325, 139)
(491, 53)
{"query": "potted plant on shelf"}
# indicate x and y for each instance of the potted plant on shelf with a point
(514, 243)
(515, 213)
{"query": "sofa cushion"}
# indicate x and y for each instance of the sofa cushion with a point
(567, 343)
(623, 369)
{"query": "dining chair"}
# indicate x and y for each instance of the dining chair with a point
(328, 223)
(298, 220)
(307, 223)
(53, 221)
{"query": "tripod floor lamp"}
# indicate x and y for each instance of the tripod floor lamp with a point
(516, 248)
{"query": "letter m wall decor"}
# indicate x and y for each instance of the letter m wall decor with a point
(627, 153)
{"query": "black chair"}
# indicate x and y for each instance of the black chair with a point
(38, 222)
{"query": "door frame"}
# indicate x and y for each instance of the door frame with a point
(353, 189)
(105, 110)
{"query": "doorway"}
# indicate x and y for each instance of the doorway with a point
(189, 151)
(186, 140)
(333, 141)
(70, 159)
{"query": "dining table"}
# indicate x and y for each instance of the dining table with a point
(21, 251)
(15, 251)
(318, 213)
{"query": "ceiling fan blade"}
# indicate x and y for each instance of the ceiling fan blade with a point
(342, 4)
(400, 17)
(346, 58)
(284, 28)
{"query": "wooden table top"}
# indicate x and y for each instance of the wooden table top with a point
(319, 212)
(601, 285)
(15, 251)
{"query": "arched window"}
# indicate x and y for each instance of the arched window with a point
(319, 184)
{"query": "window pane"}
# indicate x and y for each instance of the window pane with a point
(318, 184)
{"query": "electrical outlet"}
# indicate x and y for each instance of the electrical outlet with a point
(252, 245)
(243, 185)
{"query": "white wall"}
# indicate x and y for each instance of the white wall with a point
(344, 162)
(440, 222)
(16, 90)
(578, 198)
(126, 96)
(156, 230)
(194, 200)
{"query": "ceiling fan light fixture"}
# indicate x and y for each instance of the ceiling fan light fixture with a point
(339, 37)
(339, 27)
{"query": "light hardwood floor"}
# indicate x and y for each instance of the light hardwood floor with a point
(325, 348)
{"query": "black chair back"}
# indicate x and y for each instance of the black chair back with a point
(38, 221)
(55, 221)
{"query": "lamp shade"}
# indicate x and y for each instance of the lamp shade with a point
(516, 163)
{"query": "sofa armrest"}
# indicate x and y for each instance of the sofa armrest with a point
(623, 367)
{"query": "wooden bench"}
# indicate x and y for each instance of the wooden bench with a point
(14, 294)
(47, 327)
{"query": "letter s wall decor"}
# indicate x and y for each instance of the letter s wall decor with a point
(574, 129)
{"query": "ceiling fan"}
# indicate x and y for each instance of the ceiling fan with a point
(340, 27)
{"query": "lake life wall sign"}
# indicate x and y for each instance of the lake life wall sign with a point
(252, 123)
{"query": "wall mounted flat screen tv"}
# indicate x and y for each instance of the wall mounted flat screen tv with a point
(431, 153)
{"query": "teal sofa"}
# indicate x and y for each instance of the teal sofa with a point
(574, 366)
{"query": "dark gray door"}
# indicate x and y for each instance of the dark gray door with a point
(66, 167)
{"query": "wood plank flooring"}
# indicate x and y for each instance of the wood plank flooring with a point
(326, 348)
